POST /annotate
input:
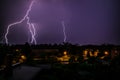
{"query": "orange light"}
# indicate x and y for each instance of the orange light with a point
(106, 53)
(102, 57)
(65, 53)
(85, 52)
(90, 53)
(23, 57)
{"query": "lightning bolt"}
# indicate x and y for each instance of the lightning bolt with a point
(31, 25)
(34, 34)
(32, 30)
(64, 31)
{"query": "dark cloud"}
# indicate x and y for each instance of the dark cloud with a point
(86, 21)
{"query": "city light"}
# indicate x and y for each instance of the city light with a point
(65, 52)
(106, 52)
(23, 57)
(85, 53)
(96, 53)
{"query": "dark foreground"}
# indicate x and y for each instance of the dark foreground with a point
(78, 72)
(72, 71)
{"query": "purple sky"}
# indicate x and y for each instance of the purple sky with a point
(86, 21)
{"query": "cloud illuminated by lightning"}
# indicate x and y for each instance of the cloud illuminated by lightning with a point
(64, 31)
(31, 26)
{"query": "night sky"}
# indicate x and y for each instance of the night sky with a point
(86, 21)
